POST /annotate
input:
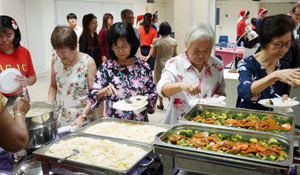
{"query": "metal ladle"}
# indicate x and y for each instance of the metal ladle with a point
(74, 152)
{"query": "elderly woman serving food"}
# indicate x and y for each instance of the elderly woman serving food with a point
(192, 74)
(260, 75)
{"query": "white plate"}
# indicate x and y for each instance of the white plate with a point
(203, 101)
(278, 103)
(8, 84)
(123, 106)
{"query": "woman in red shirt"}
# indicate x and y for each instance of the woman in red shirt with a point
(147, 34)
(13, 55)
(108, 21)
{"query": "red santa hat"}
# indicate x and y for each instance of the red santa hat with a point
(139, 18)
(261, 11)
(242, 14)
(298, 3)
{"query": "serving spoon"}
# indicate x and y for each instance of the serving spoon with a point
(74, 152)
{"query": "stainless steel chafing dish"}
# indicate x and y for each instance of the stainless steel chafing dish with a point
(109, 119)
(200, 108)
(42, 128)
(211, 162)
(50, 163)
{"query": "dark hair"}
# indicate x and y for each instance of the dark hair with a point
(274, 26)
(71, 16)
(86, 20)
(125, 11)
(106, 16)
(63, 36)
(165, 28)
(122, 30)
(147, 22)
(253, 21)
(248, 13)
(7, 22)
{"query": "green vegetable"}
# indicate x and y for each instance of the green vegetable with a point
(253, 140)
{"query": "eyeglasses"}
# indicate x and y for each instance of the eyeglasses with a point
(62, 51)
(280, 44)
(117, 49)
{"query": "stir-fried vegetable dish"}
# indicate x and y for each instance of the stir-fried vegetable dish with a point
(261, 122)
(265, 149)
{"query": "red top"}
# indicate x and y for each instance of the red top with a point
(241, 27)
(19, 59)
(147, 38)
(103, 43)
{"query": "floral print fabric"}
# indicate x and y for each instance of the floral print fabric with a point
(131, 80)
(180, 69)
(72, 89)
(251, 70)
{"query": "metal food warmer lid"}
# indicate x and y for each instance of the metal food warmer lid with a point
(221, 117)
(137, 131)
(50, 162)
(162, 146)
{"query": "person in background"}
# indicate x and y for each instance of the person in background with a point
(154, 20)
(253, 23)
(243, 16)
(72, 21)
(192, 75)
(123, 75)
(108, 21)
(13, 55)
(262, 14)
(295, 14)
(164, 48)
(260, 75)
(72, 74)
(127, 15)
(147, 33)
(13, 130)
(89, 39)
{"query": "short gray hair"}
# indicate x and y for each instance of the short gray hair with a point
(202, 31)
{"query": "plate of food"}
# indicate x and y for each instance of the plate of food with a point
(209, 101)
(277, 103)
(132, 103)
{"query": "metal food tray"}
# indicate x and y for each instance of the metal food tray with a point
(109, 119)
(193, 157)
(50, 162)
(198, 108)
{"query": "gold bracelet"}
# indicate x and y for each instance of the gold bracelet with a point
(19, 114)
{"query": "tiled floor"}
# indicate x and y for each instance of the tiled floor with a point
(39, 92)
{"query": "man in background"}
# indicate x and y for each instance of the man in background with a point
(72, 20)
(127, 15)
(262, 13)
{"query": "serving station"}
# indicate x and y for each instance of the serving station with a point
(207, 140)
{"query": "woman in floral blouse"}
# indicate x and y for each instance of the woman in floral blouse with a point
(260, 74)
(72, 74)
(192, 74)
(123, 75)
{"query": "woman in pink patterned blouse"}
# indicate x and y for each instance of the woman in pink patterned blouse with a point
(191, 73)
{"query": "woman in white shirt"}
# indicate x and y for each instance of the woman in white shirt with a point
(191, 73)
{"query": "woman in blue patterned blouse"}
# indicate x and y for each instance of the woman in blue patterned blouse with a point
(260, 75)
(123, 75)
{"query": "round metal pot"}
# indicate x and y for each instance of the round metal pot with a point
(42, 128)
